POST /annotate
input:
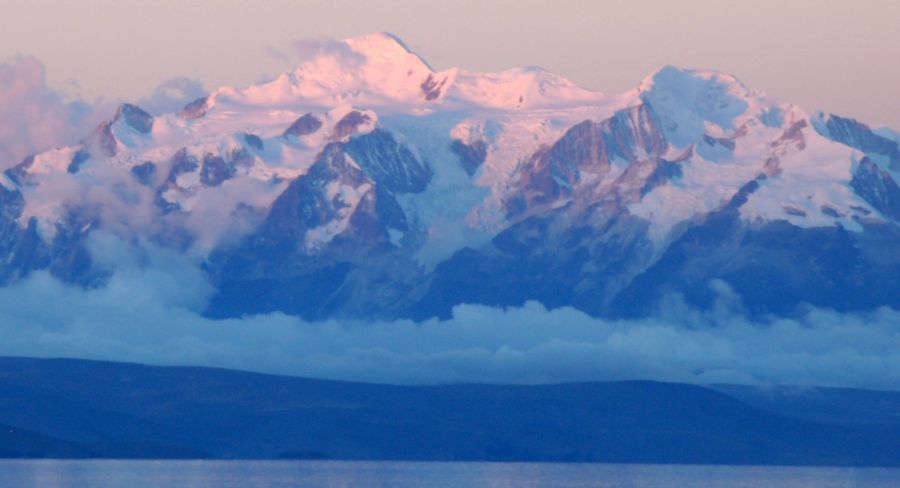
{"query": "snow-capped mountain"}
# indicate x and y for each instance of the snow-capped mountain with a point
(365, 183)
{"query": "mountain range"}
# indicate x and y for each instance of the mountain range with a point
(367, 184)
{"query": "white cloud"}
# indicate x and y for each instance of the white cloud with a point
(172, 95)
(334, 53)
(150, 311)
(33, 117)
(311, 49)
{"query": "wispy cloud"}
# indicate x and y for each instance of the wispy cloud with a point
(311, 50)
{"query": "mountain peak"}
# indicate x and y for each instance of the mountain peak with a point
(689, 99)
(381, 70)
(381, 43)
(376, 69)
(674, 77)
(384, 48)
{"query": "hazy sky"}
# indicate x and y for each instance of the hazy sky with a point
(839, 56)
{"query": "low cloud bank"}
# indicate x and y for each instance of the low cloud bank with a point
(150, 312)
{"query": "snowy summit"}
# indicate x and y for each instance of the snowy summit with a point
(366, 183)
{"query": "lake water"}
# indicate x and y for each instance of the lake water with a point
(244, 474)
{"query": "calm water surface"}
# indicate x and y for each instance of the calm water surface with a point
(224, 474)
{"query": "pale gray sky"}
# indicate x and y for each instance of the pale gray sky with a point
(835, 55)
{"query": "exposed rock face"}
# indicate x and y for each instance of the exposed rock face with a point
(773, 267)
(181, 163)
(254, 141)
(602, 261)
(471, 156)
(581, 251)
(15, 241)
(23, 249)
(327, 233)
(431, 88)
(215, 170)
(18, 174)
(309, 203)
(586, 152)
(81, 156)
(305, 125)
(582, 266)
(349, 124)
(145, 173)
(391, 164)
(870, 181)
(104, 140)
(136, 118)
(876, 187)
(195, 109)
(860, 136)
